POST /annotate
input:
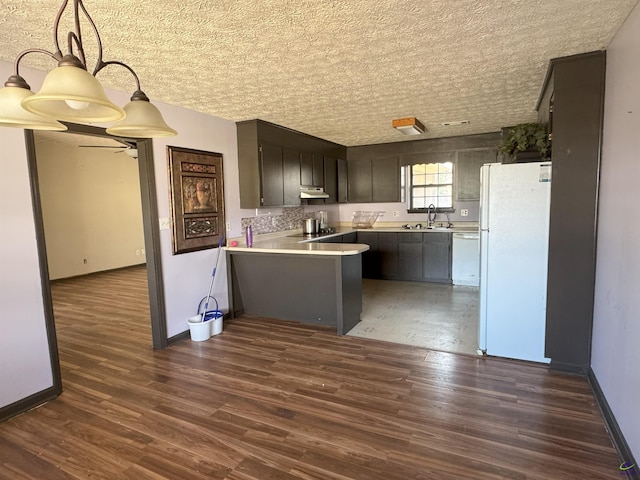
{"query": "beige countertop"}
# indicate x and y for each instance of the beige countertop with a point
(458, 227)
(420, 230)
(284, 242)
(292, 242)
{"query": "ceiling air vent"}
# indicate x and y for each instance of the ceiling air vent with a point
(455, 123)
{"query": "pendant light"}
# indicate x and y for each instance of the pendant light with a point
(70, 93)
(13, 115)
(142, 120)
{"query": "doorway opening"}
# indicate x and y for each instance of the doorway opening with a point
(61, 255)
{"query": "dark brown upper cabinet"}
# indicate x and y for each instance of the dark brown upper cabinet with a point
(374, 179)
(275, 161)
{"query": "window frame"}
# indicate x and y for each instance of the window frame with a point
(410, 187)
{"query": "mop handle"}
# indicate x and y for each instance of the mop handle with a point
(213, 276)
(215, 267)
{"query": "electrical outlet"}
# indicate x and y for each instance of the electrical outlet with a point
(138, 253)
(84, 261)
(464, 212)
(228, 226)
(396, 213)
(142, 251)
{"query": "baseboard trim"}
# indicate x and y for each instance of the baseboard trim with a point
(569, 367)
(178, 338)
(28, 403)
(611, 424)
(88, 274)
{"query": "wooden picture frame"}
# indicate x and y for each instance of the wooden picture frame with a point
(197, 199)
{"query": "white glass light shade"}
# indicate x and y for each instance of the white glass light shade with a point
(77, 87)
(143, 120)
(13, 115)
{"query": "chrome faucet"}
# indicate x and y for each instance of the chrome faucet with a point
(431, 215)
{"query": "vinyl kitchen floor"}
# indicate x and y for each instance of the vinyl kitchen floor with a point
(430, 315)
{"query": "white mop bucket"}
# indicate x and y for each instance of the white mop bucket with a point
(200, 331)
(205, 324)
(214, 318)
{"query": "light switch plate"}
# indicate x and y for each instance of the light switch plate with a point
(165, 224)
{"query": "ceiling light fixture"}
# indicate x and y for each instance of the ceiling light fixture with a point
(70, 93)
(409, 126)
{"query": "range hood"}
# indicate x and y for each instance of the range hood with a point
(313, 192)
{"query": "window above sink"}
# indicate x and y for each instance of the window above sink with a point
(430, 184)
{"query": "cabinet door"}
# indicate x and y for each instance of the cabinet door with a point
(410, 256)
(385, 179)
(291, 176)
(436, 257)
(468, 173)
(311, 169)
(388, 248)
(370, 258)
(359, 181)
(306, 169)
(350, 237)
(272, 185)
(342, 180)
(318, 170)
(331, 180)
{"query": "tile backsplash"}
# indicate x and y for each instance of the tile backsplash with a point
(290, 219)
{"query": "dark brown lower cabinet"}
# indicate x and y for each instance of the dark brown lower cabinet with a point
(370, 258)
(436, 257)
(388, 255)
(350, 237)
(409, 256)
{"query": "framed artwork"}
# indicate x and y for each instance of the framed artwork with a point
(197, 199)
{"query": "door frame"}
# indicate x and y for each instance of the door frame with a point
(151, 229)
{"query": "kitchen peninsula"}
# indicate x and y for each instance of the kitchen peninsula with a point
(287, 279)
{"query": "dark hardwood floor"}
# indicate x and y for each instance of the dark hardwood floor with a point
(279, 400)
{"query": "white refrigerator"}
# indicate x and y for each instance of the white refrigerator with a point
(514, 236)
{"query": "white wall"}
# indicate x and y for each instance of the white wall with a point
(616, 330)
(346, 212)
(25, 367)
(91, 208)
(24, 357)
(187, 276)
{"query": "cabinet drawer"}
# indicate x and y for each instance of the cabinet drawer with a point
(410, 237)
(437, 237)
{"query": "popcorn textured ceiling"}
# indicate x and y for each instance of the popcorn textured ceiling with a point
(337, 69)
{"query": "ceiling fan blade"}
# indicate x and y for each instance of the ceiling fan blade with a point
(99, 146)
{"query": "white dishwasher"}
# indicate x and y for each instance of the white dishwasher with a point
(465, 268)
